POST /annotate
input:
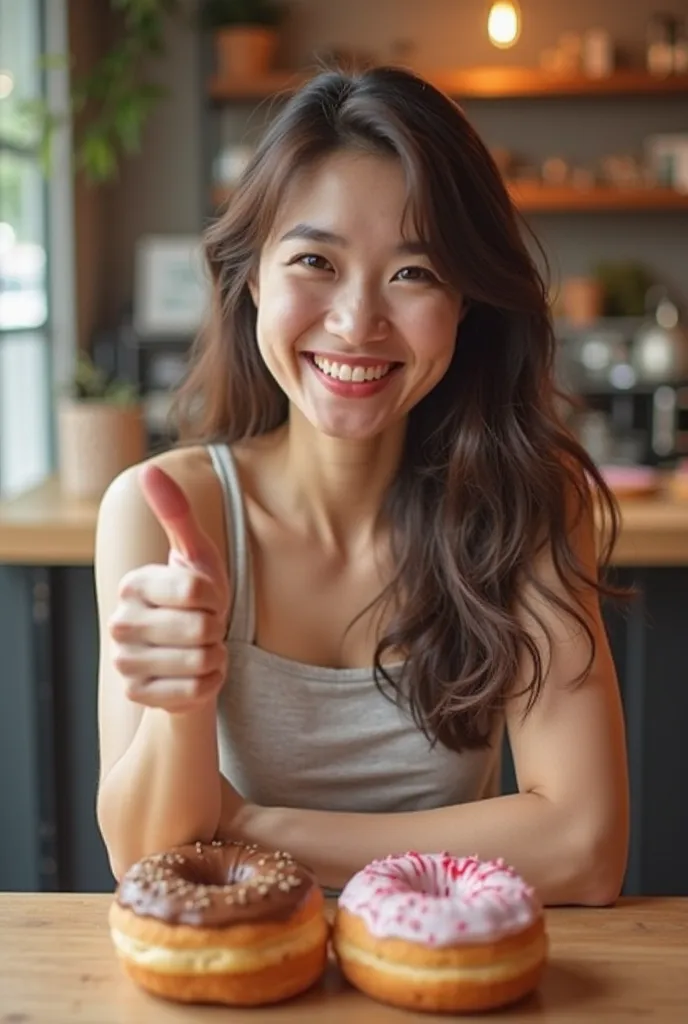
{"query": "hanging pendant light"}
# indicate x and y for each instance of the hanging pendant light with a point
(504, 23)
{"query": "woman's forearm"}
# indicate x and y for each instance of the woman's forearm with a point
(554, 849)
(165, 790)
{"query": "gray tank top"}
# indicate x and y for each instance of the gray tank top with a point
(297, 735)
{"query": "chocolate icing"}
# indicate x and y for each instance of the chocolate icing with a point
(216, 885)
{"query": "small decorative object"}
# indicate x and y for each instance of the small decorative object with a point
(668, 159)
(555, 171)
(680, 54)
(246, 35)
(598, 53)
(581, 300)
(625, 285)
(661, 29)
(170, 288)
(101, 431)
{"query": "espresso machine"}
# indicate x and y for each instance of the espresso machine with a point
(629, 377)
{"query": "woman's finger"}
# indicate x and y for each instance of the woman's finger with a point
(137, 623)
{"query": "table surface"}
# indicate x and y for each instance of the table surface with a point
(44, 527)
(57, 966)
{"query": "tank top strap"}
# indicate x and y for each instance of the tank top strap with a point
(242, 620)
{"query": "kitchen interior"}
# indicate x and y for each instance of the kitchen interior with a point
(585, 109)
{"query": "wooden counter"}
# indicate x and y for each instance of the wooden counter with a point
(57, 965)
(42, 527)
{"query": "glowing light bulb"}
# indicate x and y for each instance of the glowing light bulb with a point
(504, 24)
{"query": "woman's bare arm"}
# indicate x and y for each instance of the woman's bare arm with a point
(159, 772)
(566, 830)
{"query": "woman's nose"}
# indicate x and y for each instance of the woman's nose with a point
(357, 319)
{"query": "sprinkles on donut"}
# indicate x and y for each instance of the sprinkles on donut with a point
(220, 923)
(440, 933)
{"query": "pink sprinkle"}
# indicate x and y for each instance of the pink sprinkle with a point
(461, 926)
(431, 939)
(416, 925)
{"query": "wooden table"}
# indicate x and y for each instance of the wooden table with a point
(57, 966)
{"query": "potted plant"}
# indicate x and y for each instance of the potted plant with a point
(246, 34)
(101, 430)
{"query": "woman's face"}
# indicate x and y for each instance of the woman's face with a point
(354, 322)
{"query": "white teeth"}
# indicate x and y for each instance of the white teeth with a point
(357, 374)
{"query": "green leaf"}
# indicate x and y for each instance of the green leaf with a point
(98, 158)
(53, 62)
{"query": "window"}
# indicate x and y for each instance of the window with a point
(23, 302)
(25, 435)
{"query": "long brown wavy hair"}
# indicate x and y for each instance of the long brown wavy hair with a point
(490, 477)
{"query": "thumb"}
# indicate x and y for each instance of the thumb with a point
(171, 508)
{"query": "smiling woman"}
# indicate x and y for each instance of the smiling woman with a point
(382, 537)
(352, 301)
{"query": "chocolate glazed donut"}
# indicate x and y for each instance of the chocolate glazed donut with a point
(220, 923)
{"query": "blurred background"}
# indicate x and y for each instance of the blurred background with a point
(124, 125)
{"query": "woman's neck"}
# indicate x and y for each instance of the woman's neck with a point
(334, 488)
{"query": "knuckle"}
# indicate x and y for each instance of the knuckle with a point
(197, 632)
(191, 587)
(130, 583)
(205, 686)
(204, 661)
(125, 662)
(119, 625)
(133, 690)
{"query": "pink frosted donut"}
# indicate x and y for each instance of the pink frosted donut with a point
(440, 933)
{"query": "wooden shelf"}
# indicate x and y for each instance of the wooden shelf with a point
(478, 83)
(532, 197)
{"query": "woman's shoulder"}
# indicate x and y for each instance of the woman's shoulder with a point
(124, 510)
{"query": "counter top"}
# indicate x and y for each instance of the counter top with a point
(611, 965)
(43, 527)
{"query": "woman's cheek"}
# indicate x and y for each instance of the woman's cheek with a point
(434, 332)
(291, 305)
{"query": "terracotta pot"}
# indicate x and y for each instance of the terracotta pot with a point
(245, 51)
(582, 300)
(96, 441)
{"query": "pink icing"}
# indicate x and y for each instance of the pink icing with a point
(440, 900)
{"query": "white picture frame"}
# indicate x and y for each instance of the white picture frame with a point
(171, 286)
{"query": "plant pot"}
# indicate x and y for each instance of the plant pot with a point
(97, 440)
(245, 51)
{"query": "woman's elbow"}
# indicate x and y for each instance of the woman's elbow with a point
(600, 866)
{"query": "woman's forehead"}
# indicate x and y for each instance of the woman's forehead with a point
(345, 193)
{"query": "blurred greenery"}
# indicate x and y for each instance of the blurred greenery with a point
(625, 285)
(90, 383)
(111, 103)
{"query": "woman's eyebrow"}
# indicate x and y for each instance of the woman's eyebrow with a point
(308, 232)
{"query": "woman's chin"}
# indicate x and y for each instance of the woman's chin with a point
(349, 428)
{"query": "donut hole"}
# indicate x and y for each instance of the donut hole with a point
(214, 871)
(429, 884)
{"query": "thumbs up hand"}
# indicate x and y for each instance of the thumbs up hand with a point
(168, 628)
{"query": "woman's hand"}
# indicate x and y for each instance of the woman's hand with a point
(169, 626)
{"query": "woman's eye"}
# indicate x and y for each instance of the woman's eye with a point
(416, 274)
(313, 261)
